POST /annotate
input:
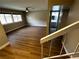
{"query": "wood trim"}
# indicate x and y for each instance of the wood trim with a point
(15, 29)
(3, 46)
(60, 32)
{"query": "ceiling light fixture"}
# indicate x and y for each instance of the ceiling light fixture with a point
(27, 10)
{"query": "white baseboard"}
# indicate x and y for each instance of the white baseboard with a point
(3, 46)
(39, 25)
(15, 28)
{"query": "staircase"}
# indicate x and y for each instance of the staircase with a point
(56, 34)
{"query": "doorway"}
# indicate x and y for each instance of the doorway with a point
(55, 18)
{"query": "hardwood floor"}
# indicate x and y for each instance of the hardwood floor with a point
(25, 44)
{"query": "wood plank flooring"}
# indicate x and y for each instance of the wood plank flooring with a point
(25, 44)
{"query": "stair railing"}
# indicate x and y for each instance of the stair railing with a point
(56, 34)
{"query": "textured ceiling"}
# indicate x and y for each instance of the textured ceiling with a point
(35, 5)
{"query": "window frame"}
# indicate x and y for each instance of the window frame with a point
(11, 17)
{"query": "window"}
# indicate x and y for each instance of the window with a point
(17, 18)
(10, 18)
(2, 19)
(55, 14)
(56, 8)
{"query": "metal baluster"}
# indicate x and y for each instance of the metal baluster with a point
(61, 50)
(62, 46)
(50, 48)
(41, 51)
(76, 48)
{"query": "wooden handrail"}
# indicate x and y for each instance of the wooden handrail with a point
(60, 32)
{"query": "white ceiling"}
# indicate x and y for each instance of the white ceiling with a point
(35, 5)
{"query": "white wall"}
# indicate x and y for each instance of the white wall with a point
(3, 37)
(37, 18)
(72, 38)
